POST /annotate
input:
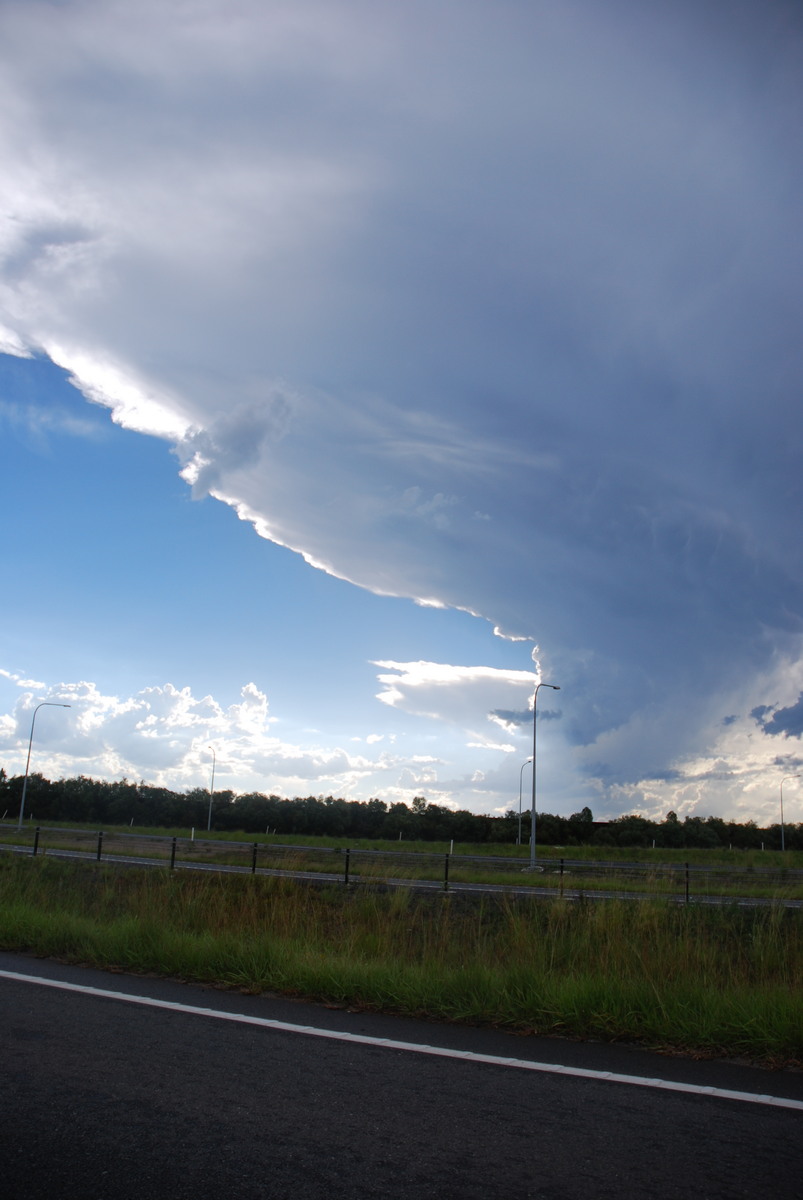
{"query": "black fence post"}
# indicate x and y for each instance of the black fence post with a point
(173, 854)
(346, 872)
(446, 874)
(35, 841)
(100, 845)
(561, 877)
(687, 883)
(254, 859)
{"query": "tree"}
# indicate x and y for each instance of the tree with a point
(582, 825)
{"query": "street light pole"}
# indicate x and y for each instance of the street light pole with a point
(44, 704)
(211, 790)
(521, 775)
(783, 781)
(538, 686)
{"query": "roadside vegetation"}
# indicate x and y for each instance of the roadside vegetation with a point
(721, 981)
(101, 803)
(519, 855)
(672, 874)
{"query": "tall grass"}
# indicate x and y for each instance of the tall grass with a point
(711, 981)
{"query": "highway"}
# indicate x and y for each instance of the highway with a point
(425, 885)
(167, 1090)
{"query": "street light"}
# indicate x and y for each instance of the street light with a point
(783, 781)
(521, 774)
(554, 688)
(211, 790)
(44, 704)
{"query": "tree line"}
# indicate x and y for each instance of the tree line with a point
(101, 803)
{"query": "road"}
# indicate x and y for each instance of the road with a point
(422, 885)
(113, 1099)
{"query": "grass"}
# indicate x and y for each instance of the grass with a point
(749, 874)
(720, 856)
(696, 980)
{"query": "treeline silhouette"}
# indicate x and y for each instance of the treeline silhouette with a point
(102, 803)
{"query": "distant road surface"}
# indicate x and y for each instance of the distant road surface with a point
(422, 885)
(138, 1097)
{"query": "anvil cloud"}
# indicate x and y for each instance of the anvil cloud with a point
(493, 308)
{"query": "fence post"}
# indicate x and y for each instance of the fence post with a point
(100, 845)
(35, 841)
(254, 859)
(446, 874)
(561, 877)
(173, 854)
(346, 873)
(687, 883)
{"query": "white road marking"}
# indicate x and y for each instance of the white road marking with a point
(522, 1064)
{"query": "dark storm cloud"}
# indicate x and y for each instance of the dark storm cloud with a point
(788, 721)
(527, 280)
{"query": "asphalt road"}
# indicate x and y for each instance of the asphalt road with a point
(104, 1099)
(424, 885)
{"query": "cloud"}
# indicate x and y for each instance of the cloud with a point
(733, 769)
(166, 735)
(460, 695)
(21, 682)
(500, 321)
(38, 422)
(156, 733)
(788, 721)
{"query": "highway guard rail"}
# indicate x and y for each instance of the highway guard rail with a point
(568, 877)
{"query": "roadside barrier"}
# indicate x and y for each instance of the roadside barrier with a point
(569, 878)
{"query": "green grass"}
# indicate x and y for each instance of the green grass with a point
(714, 982)
(749, 874)
(741, 859)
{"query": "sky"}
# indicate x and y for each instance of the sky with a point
(365, 364)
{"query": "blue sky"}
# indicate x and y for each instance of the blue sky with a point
(352, 351)
(123, 580)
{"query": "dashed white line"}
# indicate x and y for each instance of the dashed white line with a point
(522, 1064)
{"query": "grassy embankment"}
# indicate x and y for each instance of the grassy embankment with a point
(721, 981)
